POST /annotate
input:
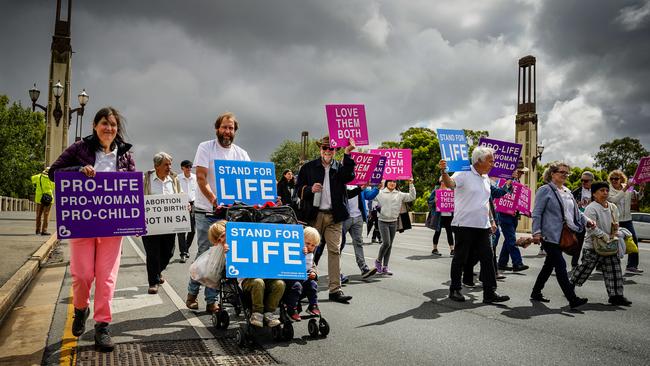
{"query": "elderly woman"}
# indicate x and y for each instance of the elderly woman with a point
(554, 206)
(96, 259)
(159, 248)
(622, 197)
(605, 215)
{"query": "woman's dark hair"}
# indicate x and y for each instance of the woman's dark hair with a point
(105, 113)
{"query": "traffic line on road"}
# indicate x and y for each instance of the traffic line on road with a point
(69, 342)
(191, 318)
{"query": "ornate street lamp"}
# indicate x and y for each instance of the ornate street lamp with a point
(57, 90)
(538, 156)
(83, 100)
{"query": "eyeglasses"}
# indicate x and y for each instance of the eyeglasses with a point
(327, 148)
(614, 178)
(563, 172)
(585, 180)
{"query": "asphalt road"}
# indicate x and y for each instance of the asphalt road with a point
(405, 319)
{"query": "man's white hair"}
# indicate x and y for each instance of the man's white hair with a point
(480, 153)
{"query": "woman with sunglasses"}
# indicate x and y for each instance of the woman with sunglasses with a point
(622, 197)
(554, 205)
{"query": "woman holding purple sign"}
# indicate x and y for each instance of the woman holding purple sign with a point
(96, 259)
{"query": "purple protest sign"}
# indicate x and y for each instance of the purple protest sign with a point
(398, 165)
(346, 121)
(365, 166)
(445, 200)
(110, 204)
(642, 174)
(505, 157)
(378, 172)
(508, 203)
(523, 204)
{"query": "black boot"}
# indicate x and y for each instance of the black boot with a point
(79, 323)
(103, 341)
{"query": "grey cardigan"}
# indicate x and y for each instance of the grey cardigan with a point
(548, 214)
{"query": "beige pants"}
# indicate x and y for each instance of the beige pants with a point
(331, 231)
(42, 216)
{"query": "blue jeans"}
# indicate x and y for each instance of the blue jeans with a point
(633, 258)
(202, 225)
(509, 250)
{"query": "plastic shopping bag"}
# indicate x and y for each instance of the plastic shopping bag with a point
(208, 267)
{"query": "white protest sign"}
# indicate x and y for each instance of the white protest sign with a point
(167, 213)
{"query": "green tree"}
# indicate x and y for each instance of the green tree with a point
(22, 147)
(287, 156)
(621, 154)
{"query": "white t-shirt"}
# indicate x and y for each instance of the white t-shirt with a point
(206, 154)
(106, 162)
(471, 199)
(353, 206)
(569, 207)
(188, 185)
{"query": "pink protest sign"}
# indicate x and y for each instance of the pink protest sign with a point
(642, 174)
(508, 203)
(445, 200)
(346, 121)
(365, 166)
(523, 204)
(398, 165)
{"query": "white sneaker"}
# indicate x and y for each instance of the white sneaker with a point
(271, 319)
(257, 320)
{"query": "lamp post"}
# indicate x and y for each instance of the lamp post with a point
(57, 90)
(538, 156)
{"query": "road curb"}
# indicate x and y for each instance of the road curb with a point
(11, 291)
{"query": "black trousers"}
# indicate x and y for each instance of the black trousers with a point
(576, 257)
(160, 249)
(185, 239)
(445, 223)
(473, 242)
(554, 261)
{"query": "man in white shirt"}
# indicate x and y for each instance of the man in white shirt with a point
(472, 223)
(188, 185)
(159, 248)
(221, 148)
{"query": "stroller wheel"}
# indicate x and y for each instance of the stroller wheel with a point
(224, 319)
(323, 327)
(240, 337)
(312, 327)
(276, 332)
(287, 332)
(215, 320)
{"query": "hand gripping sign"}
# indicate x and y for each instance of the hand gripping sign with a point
(346, 121)
(250, 182)
(272, 251)
(506, 155)
(398, 163)
(110, 204)
(453, 149)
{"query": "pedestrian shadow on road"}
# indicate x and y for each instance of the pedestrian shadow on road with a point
(353, 280)
(429, 256)
(438, 304)
(539, 308)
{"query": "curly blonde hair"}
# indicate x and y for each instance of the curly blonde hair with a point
(216, 230)
(617, 174)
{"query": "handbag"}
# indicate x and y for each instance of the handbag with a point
(46, 198)
(568, 240)
(605, 246)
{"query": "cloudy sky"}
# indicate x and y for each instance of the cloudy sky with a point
(172, 66)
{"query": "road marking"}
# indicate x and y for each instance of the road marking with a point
(69, 341)
(191, 318)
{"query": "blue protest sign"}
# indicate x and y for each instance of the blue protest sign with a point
(250, 182)
(453, 149)
(265, 251)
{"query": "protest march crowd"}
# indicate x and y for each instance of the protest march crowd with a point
(478, 198)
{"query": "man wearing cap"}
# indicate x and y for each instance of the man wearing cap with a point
(582, 195)
(44, 187)
(323, 182)
(508, 225)
(188, 185)
(221, 148)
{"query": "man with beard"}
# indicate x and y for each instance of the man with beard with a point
(326, 179)
(221, 148)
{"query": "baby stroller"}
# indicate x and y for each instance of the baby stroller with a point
(316, 324)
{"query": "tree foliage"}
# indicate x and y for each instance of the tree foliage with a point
(287, 155)
(22, 148)
(623, 154)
